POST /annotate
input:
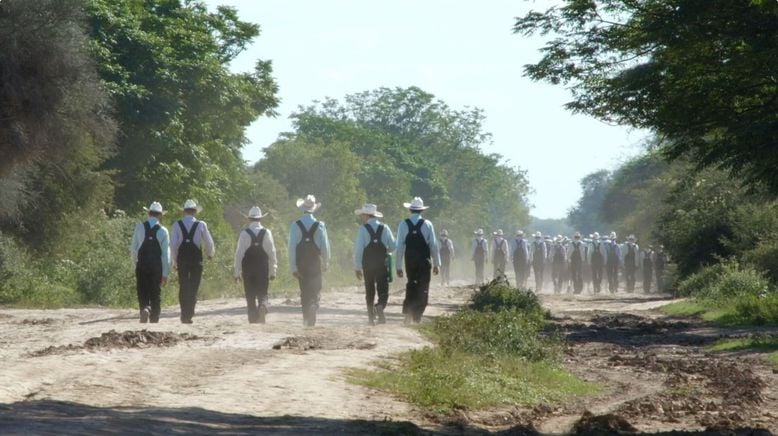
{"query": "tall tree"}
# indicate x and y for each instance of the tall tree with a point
(586, 216)
(701, 73)
(182, 113)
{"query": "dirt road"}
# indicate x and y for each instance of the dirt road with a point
(87, 371)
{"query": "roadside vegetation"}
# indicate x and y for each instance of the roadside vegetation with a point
(763, 343)
(497, 351)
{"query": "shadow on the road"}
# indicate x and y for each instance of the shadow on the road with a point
(67, 418)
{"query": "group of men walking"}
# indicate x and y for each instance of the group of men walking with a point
(415, 249)
(570, 263)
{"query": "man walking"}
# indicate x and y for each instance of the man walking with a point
(499, 253)
(577, 256)
(480, 253)
(538, 255)
(374, 243)
(660, 260)
(596, 259)
(309, 256)
(631, 252)
(558, 261)
(256, 263)
(520, 256)
(189, 237)
(150, 249)
(612, 263)
(417, 245)
(446, 256)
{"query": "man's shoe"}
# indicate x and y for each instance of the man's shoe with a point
(144, 315)
(261, 314)
(380, 312)
(408, 319)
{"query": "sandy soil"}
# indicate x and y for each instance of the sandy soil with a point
(94, 370)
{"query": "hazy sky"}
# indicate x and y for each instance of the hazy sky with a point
(463, 52)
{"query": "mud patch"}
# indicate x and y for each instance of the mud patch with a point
(38, 321)
(305, 343)
(602, 424)
(121, 340)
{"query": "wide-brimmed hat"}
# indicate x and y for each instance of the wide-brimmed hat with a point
(308, 204)
(416, 204)
(612, 235)
(255, 213)
(577, 235)
(444, 232)
(498, 232)
(155, 207)
(519, 232)
(479, 232)
(538, 235)
(631, 238)
(369, 209)
(596, 235)
(192, 205)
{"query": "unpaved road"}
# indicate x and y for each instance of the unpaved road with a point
(221, 375)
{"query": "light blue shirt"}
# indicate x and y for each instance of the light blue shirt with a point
(520, 245)
(162, 237)
(320, 238)
(363, 239)
(427, 230)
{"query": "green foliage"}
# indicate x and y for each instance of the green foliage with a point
(499, 295)
(764, 257)
(182, 112)
(691, 71)
(587, 216)
(551, 226)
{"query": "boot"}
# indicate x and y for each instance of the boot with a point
(261, 314)
(380, 311)
(370, 314)
(310, 319)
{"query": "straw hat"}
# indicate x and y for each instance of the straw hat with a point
(479, 232)
(369, 209)
(498, 232)
(308, 204)
(155, 207)
(192, 205)
(255, 214)
(416, 204)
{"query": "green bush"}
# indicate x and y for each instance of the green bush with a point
(510, 332)
(498, 295)
(757, 310)
(698, 283)
(764, 257)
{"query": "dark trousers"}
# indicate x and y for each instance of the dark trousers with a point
(537, 268)
(255, 284)
(557, 275)
(188, 285)
(417, 289)
(576, 275)
(660, 284)
(499, 266)
(445, 271)
(597, 269)
(648, 272)
(149, 291)
(310, 293)
(521, 270)
(612, 269)
(630, 276)
(479, 271)
(377, 280)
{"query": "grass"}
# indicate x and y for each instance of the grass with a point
(760, 343)
(734, 312)
(440, 381)
(495, 352)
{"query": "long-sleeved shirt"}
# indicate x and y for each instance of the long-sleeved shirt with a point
(500, 244)
(537, 250)
(614, 252)
(581, 251)
(520, 246)
(244, 242)
(202, 237)
(446, 242)
(483, 244)
(320, 239)
(363, 239)
(597, 246)
(162, 237)
(427, 231)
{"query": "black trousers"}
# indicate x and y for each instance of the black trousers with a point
(479, 271)
(189, 276)
(630, 271)
(660, 283)
(499, 266)
(149, 291)
(376, 280)
(557, 275)
(417, 288)
(255, 285)
(576, 275)
(648, 272)
(597, 269)
(445, 270)
(612, 269)
(521, 270)
(537, 268)
(310, 294)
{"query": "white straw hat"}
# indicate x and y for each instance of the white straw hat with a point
(369, 209)
(479, 232)
(519, 232)
(192, 205)
(308, 204)
(416, 204)
(255, 213)
(155, 207)
(498, 232)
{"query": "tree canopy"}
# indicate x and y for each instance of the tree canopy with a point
(701, 73)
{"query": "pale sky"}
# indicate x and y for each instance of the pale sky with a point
(463, 52)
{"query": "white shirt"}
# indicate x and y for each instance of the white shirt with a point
(201, 237)
(244, 242)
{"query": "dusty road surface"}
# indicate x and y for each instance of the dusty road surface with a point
(96, 371)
